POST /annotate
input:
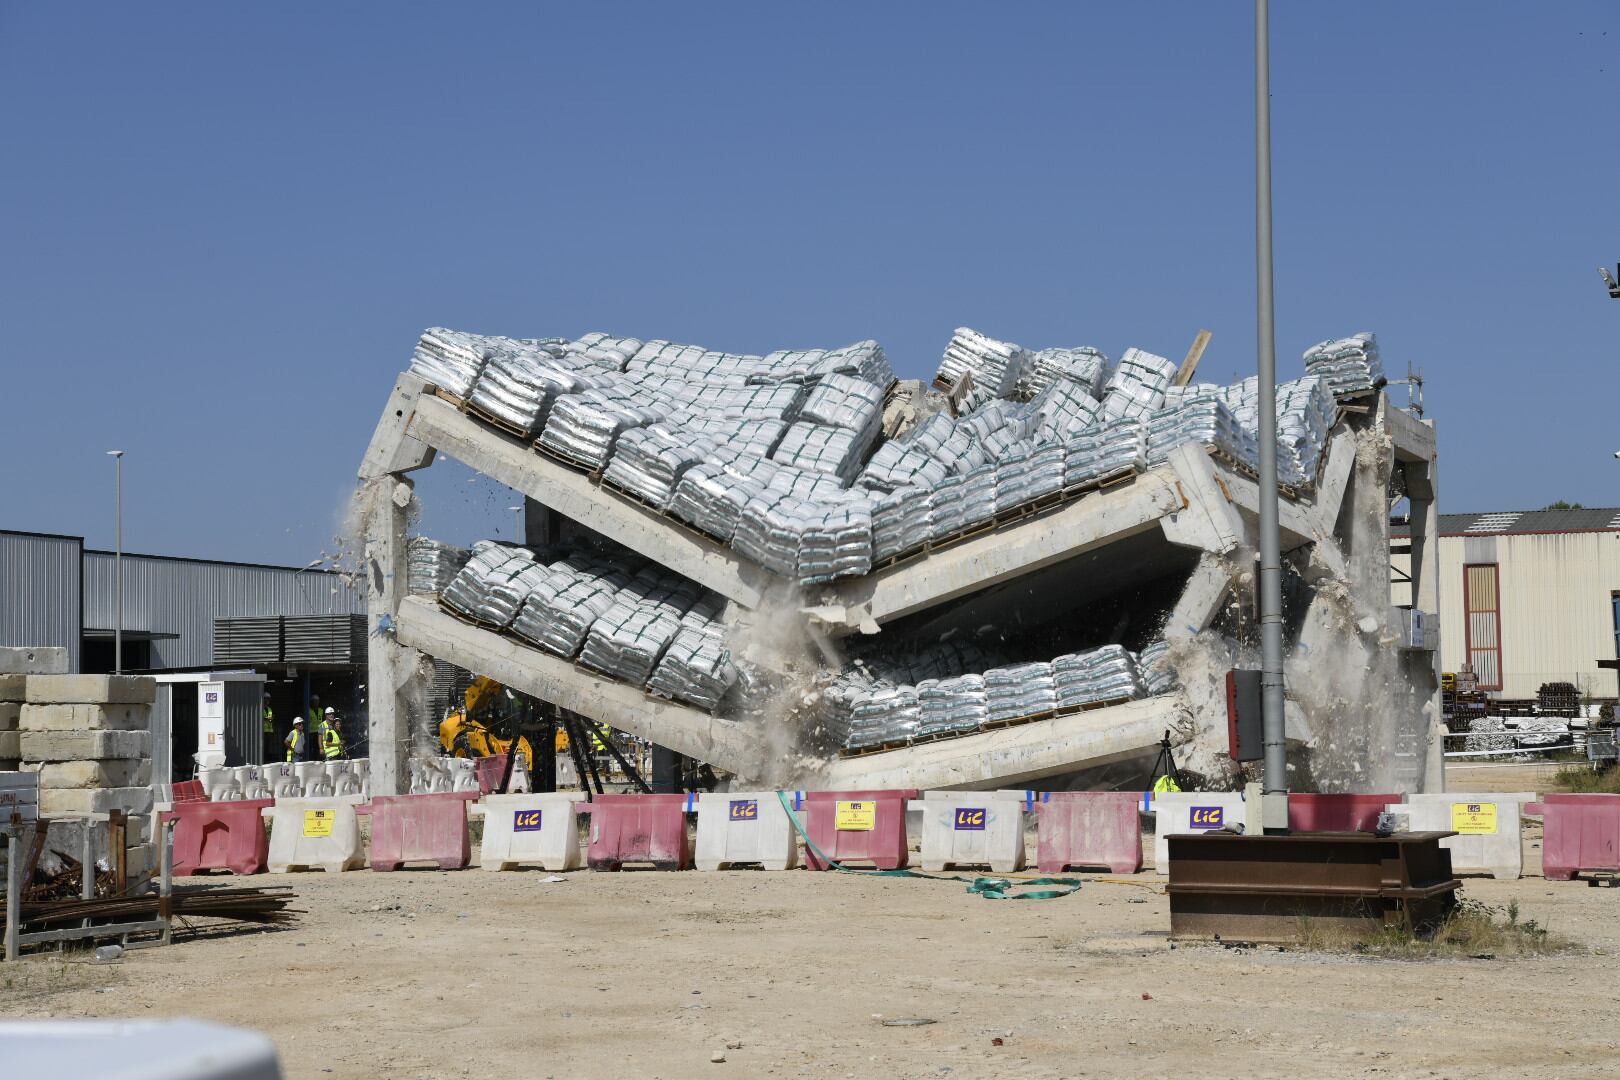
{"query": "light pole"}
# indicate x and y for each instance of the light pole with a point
(1274, 735)
(118, 560)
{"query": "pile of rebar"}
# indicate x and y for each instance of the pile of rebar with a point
(264, 906)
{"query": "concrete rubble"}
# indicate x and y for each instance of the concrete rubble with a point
(1040, 560)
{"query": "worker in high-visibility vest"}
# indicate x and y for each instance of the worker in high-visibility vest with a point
(269, 729)
(330, 734)
(295, 740)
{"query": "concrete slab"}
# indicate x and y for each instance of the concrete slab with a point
(33, 660)
(10, 747)
(127, 772)
(724, 743)
(13, 688)
(1015, 755)
(84, 718)
(643, 530)
(91, 689)
(1014, 550)
(131, 800)
(80, 745)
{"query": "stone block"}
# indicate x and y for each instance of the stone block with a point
(34, 660)
(134, 800)
(10, 711)
(80, 745)
(92, 689)
(84, 718)
(10, 747)
(128, 772)
(13, 687)
(10, 765)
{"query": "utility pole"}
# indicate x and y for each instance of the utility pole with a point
(1275, 790)
(118, 560)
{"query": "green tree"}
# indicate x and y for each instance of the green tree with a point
(1562, 505)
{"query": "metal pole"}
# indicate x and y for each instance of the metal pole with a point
(13, 892)
(1271, 641)
(118, 562)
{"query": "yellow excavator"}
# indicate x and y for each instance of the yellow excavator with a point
(468, 732)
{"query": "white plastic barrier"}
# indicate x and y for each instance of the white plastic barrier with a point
(1487, 824)
(282, 780)
(541, 829)
(1177, 813)
(735, 828)
(215, 778)
(309, 833)
(312, 778)
(463, 773)
(972, 828)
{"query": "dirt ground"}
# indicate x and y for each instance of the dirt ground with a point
(474, 974)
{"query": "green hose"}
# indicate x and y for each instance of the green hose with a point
(989, 888)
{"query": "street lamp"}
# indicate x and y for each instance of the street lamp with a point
(118, 560)
(1275, 789)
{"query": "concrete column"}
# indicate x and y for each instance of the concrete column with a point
(541, 525)
(1423, 495)
(389, 665)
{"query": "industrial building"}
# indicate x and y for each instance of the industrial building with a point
(1529, 597)
(300, 628)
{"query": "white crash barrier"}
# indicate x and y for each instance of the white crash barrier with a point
(314, 833)
(741, 828)
(282, 780)
(1177, 813)
(312, 779)
(1486, 823)
(972, 828)
(542, 829)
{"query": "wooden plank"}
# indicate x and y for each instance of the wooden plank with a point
(1184, 373)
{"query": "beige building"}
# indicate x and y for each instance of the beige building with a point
(1528, 597)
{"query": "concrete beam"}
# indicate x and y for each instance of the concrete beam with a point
(1091, 522)
(1209, 520)
(1206, 592)
(1413, 438)
(724, 743)
(1015, 755)
(437, 423)
(392, 450)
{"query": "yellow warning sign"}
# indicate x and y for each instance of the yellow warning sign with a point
(318, 822)
(855, 816)
(1473, 818)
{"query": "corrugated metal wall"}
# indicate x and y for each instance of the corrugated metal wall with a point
(1556, 607)
(184, 597)
(40, 591)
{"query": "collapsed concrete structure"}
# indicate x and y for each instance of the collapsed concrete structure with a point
(1156, 556)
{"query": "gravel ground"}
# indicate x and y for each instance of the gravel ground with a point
(474, 974)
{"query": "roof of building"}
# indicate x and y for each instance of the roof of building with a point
(1510, 522)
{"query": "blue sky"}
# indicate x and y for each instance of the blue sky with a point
(224, 226)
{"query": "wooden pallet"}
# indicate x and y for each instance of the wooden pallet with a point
(880, 748)
(1017, 721)
(490, 420)
(562, 459)
(1090, 706)
(1116, 480)
(445, 395)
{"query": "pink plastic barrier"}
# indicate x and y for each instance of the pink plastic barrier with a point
(1087, 829)
(219, 836)
(638, 829)
(1581, 833)
(489, 771)
(1336, 813)
(420, 828)
(858, 826)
